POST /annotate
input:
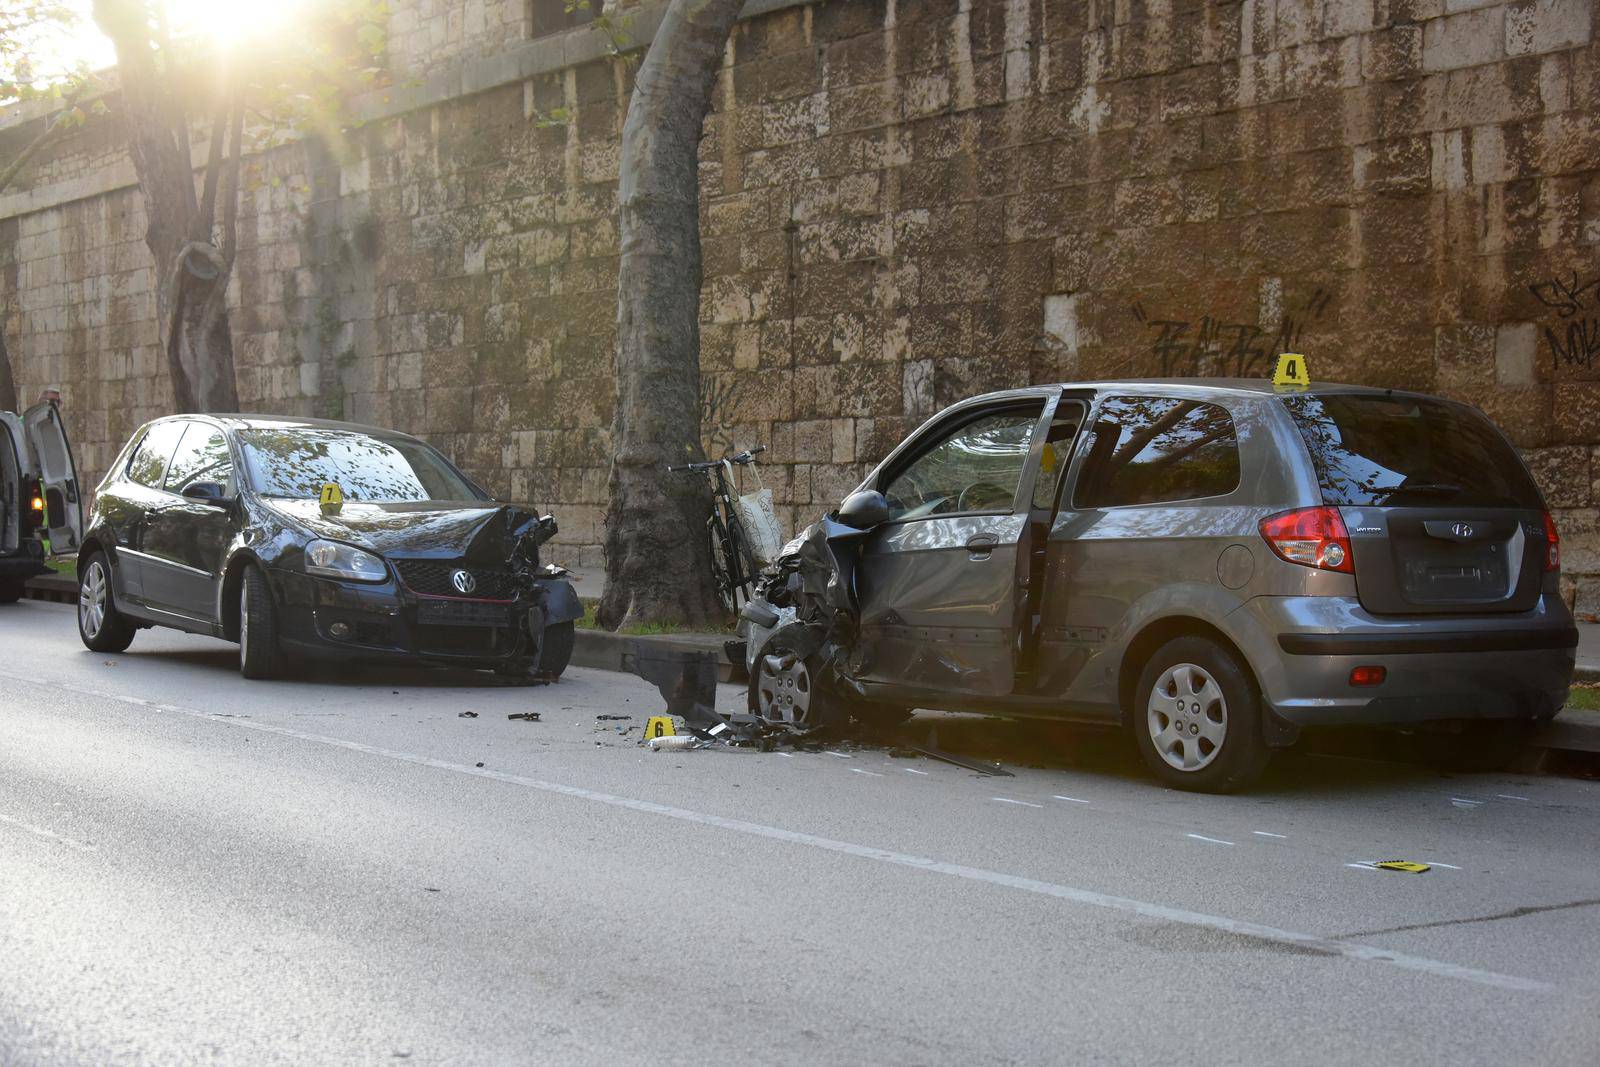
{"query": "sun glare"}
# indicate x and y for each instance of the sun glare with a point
(234, 22)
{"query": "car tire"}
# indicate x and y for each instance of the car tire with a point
(555, 648)
(11, 590)
(259, 657)
(1213, 742)
(786, 690)
(101, 626)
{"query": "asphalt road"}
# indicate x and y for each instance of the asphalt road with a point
(342, 869)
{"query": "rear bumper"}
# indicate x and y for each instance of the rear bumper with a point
(1497, 667)
(26, 562)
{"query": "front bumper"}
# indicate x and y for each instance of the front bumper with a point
(327, 617)
(1481, 667)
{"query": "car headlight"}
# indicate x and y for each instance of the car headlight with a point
(334, 560)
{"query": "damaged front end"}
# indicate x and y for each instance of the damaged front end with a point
(802, 632)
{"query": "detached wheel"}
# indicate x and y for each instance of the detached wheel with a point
(101, 626)
(258, 627)
(10, 590)
(555, 649)
(1197, 718)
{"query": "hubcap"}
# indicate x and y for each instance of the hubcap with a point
(244, 619)
(1187, 717)
(92, 600)
(783, 689)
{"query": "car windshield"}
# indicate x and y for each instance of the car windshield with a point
(1393, 451)
(295, 462)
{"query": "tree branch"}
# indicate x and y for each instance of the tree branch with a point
(207, 214)
(52, 126)
(230, 194)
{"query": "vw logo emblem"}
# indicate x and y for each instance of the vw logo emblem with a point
(1461, 530)
(463, 581)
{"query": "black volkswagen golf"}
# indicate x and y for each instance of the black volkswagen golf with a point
(300, 536)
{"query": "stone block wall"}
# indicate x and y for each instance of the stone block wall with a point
(904, 202)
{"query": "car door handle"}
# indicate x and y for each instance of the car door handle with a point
(980, 545)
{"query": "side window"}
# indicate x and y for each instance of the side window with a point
(149, 461)
(975, 468)
(202, 456)
(1146, 450)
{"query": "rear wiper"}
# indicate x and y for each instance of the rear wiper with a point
(1426, 489)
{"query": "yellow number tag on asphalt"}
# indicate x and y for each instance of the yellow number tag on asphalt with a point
(1291, 370)
(331, 496)
(659, 726)
(1403, 865)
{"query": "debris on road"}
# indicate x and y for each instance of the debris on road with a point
(467, 715)
(675, 742)
(525, 716)
(1402, 865)
(613, 718)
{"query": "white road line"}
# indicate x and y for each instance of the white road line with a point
(1464, 802)
(913, 770)
(785, 755)
(1072, 894)
(1362, 866)
(1508, 796)
(841, 755)
(1436, 863)
(1211, 840)
(858, 770)
(1020, 803)
(70, 842)
(1263, 833)
(1075, 800)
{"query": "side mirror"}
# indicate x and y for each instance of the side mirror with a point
(864, 510)
(213, 493)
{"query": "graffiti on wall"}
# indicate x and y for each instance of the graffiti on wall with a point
(1574, 335)
(1213, 347)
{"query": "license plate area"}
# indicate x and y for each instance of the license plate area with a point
(462, 613)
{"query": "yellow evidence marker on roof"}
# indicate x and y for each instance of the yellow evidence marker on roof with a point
(1291, 371)
(331, 497)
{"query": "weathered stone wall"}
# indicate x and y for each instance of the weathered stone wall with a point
(905, 201)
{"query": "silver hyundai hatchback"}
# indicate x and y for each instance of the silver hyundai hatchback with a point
(1210, 563)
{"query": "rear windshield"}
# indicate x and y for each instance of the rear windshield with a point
(1404, 451)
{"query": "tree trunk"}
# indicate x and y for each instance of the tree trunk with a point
(191, 271)
(658, 565)
(8, 384)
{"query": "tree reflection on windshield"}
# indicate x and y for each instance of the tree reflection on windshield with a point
(296, 462)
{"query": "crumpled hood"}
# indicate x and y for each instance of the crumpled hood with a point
(471, 530)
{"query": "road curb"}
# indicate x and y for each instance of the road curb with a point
(609, 651)
(56, 588)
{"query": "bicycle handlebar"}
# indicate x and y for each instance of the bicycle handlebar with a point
(743, 458)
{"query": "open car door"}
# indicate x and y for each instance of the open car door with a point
(58, 476)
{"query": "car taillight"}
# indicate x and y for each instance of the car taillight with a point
(1311, 537)
(1552, 548)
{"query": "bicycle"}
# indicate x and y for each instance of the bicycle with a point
(733, 564)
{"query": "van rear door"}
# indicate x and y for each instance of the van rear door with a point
(58, 476)
(1443, 516)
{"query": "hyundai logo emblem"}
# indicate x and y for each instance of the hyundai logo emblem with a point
(1461, 530)
(466, 583)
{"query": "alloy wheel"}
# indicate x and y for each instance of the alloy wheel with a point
(92, 600)
(1187, 716)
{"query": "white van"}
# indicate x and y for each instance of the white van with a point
(39, 495)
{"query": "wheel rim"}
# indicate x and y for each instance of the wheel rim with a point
(1187, 717)
(783, 689)
(92, 600)
(244, 621)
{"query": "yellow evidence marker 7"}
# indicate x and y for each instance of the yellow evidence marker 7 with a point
(1402, 865)
(1291, 371)
(331, 496)
(659, 726)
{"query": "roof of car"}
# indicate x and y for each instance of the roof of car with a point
(237, 421)
(1200, 386)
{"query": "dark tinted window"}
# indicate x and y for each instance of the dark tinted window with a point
(202, 456)
(1404, 451)
(149, 461)
(974, 468)
(1149, 449)
(296, 461)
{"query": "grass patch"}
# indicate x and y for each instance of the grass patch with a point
(68, 566)
(1584, 697)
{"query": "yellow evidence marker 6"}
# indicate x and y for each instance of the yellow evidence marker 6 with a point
(659, 726)
(1291, 371)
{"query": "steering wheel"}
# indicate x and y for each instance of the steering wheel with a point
(997, 497)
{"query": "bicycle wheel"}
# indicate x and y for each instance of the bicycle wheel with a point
(742, 569)
(720, 577)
